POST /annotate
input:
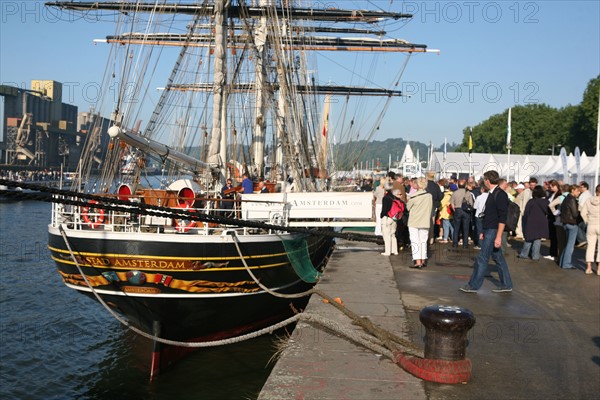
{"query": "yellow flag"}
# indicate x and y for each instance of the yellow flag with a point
(470, 141)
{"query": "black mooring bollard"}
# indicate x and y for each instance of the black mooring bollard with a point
(446, 330)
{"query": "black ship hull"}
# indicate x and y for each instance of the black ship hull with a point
(187, 287)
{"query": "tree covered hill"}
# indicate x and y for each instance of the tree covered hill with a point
(375, 152)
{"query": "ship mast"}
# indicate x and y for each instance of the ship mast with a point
(260, 125)
(216, 148)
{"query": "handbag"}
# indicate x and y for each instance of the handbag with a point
(465, 206)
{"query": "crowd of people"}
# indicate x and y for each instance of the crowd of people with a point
(466, 213)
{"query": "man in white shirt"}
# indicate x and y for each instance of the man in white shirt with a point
(585, 194)
(479, 207)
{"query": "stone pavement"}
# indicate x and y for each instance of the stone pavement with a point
(542, 341)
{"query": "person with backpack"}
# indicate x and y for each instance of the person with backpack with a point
(494, 218)
(462, 205)
(401, 228)
(419, 208)
(392, 209)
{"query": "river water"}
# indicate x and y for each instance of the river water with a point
(58, 344)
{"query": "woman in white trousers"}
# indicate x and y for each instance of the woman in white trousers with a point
(419, 207)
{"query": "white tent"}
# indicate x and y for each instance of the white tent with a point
(519, 169)
(584, 160)
(455, 164)
(548, 168)
(589, 173)
(522, 167)
(556, 171)
(536, 164)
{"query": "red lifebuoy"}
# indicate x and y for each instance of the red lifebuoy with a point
(184, 225)
(186, 197)
(97, 215)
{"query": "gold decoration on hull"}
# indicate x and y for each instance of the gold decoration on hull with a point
(196, 286)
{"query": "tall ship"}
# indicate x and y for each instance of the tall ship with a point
(180, 253)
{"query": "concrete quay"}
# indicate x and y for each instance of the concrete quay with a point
(542, 341)
(320, 365)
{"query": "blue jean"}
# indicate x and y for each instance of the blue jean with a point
(581, 230)
(481, 262)
(462, 220)
(567, 254)
(448, 229)
(478, 229)
(534, 246)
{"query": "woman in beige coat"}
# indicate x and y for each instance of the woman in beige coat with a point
(590, 212)
(419, 206)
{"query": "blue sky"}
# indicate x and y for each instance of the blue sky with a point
(494, 55)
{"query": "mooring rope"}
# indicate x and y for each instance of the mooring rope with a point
(357, 337)
(389, 339)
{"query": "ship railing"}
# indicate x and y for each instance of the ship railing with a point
(270, 212)
(90, 218)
